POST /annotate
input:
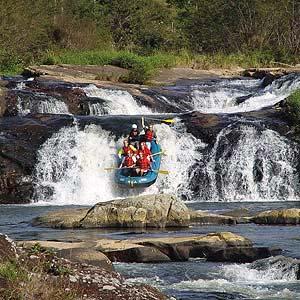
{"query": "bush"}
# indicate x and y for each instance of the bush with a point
(293, 107)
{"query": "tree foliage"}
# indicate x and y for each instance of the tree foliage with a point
(29, 28)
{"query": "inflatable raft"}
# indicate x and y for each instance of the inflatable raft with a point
(122, 177)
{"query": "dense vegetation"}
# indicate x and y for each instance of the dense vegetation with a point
(203, 32)
(293, 107)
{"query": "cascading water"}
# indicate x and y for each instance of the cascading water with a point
(75, 174)
(246, 163)
(117, 102)
(41, 103)
(236, 95)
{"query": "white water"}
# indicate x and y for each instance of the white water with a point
(229, 169)
(273, 282)
(45, 105)
(117, 102)
(75, 173)
(221, 98)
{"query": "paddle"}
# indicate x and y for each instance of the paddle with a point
(161, 152)
(165, 172)
(164, 120)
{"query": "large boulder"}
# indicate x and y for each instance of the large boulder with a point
(290, 216)
(157, 211)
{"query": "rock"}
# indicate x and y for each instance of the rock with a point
(88, 256)
(7, 248)
(67, 218)
(242, 254)
(283, 267)
(290, 216)
(138, 254)
(200, 217)
(157, 211)
(175, 248)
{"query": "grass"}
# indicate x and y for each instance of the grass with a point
(143, 67)
(293, 107)
(12, 272)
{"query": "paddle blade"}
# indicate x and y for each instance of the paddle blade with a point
(169, 121)
(165, 172)
(109, 169)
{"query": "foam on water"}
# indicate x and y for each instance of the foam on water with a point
(75, 173)
(223, 96)
(117, 102)
(231, 288)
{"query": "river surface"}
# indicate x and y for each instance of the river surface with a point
(246, 164)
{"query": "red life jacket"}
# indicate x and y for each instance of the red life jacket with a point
(128, 162)
(126, 150)
(144, 163)
(149, 135)
(146, 151)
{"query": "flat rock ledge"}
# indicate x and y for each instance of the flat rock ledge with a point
(290, 216)
(222, 246)
(156, 211)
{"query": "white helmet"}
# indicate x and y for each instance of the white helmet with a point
(134, 126)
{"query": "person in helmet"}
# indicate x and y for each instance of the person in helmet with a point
(134, 136)
(126, 148)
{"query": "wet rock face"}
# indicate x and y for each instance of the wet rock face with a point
(7, 248)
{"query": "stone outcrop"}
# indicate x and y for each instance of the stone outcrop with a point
(222, 246)
(156, 211)
(202, 217)
(290, 216)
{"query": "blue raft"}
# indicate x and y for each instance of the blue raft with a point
(123, 179)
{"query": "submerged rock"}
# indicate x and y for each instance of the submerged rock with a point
(290, 216)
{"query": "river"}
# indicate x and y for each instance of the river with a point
(246, 163)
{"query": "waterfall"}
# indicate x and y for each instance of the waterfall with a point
(75, 173)
(117, 102)
(241, 95)
(40, 103)
(247, 163)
